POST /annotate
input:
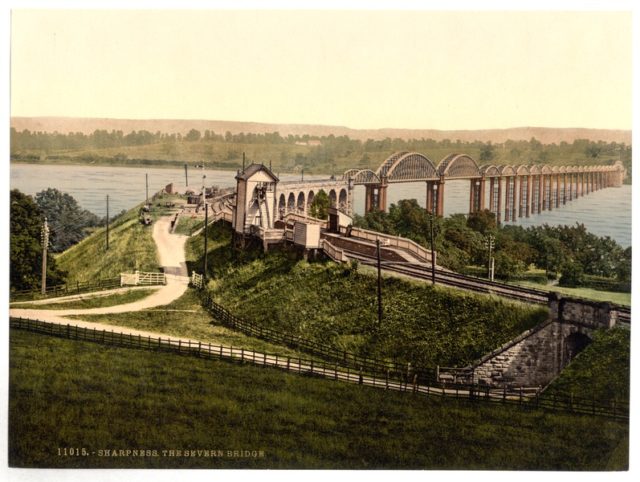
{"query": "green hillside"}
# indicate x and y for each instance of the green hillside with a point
(161, 401)
(131, 247)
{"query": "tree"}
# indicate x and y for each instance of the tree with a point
(572, 274)
(482, 221)
(67, 220)
(320, 205)
(25, 250)
(192, 136)
(486, 152)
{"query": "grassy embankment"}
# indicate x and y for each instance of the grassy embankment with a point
(188, 224)
(91, 301)
(601, 371)
(131, 248)
(160, 401)
(337, 305)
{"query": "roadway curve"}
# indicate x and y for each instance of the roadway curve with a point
(172, 259)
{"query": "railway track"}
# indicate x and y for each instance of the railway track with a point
(478, 285)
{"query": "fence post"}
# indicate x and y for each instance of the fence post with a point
(264, 358)
(199, 348)
(179, 345)
(415, 382)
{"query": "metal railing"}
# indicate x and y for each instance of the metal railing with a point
(394, 241)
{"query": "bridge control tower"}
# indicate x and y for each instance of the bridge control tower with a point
(255, 199)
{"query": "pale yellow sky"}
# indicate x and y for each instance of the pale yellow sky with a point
(362, 69)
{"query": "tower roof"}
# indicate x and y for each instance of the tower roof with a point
(253, 169)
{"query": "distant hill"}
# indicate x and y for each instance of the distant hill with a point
(546, 135)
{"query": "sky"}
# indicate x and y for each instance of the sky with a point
(360, 69)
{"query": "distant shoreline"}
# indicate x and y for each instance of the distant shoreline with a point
(160, 165)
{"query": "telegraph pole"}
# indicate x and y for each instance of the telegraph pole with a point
(489, 243)
(433, 256)
(186, 176)
(204, 267)
(107, 222)
(146, 182)
(379, 284)
(44, 235)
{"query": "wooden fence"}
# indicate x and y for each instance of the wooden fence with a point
(66, 289)
(367, 365)
(323, 369)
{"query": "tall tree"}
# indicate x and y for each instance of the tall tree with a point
(320, 205)
(25, 246)
(67, 220)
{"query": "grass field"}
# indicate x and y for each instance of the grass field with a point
(588, 293)
(90, 301)
(68, 394)
(186, 318)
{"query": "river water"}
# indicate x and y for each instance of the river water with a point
(605, 213)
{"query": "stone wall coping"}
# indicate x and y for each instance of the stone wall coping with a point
(514, 341)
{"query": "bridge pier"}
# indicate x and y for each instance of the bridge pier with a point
(439, 187)
(476, 195)
(527, 189)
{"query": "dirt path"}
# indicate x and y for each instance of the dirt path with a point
(172, 259)
(82, 296)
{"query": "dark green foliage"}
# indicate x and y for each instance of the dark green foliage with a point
(76, 394)
(320, 205)
(600, 371)
(26, 221)
(483, 221)
(572, 275)
(69, 223)
(462, 241)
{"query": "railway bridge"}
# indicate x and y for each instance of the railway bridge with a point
(510, 192)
